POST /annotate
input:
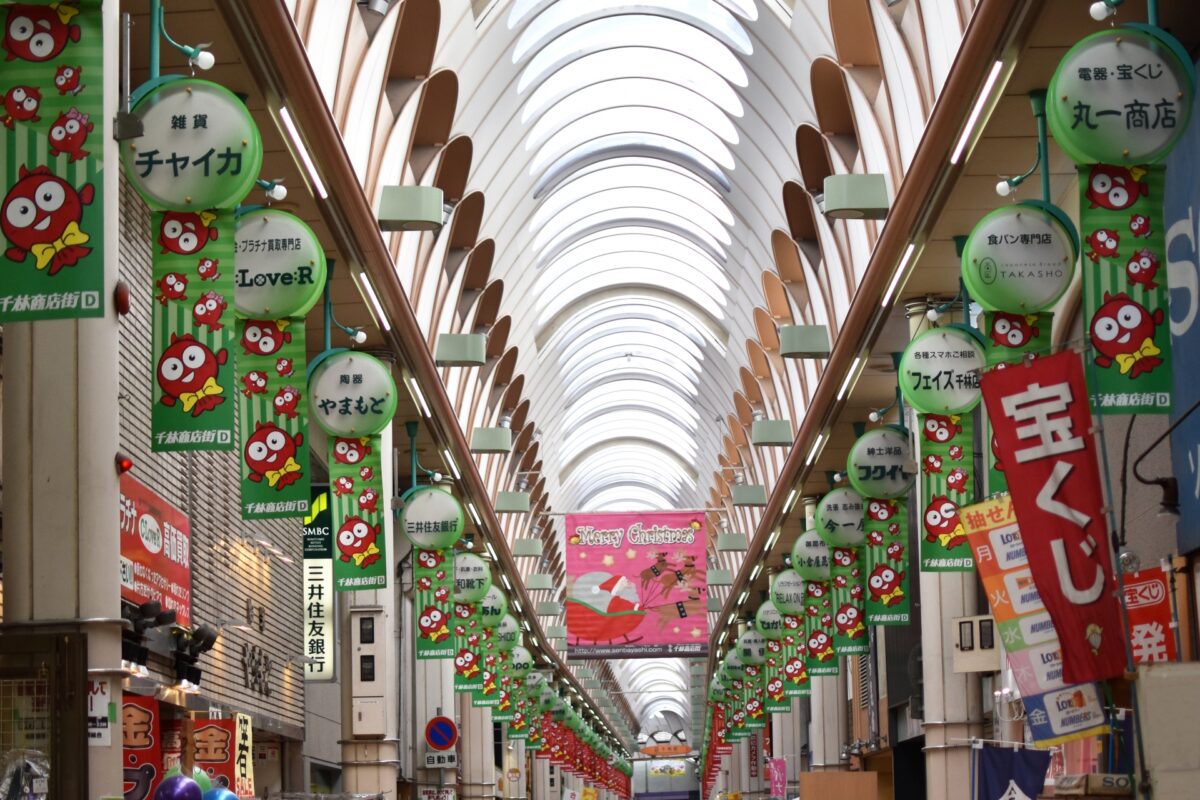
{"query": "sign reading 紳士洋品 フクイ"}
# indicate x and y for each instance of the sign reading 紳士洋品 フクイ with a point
(318, 595)
(881, 464)
(156, 561)
(1020, 258)
(200, 147)
(52, 177)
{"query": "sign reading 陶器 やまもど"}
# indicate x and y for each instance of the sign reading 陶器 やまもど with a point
(200, 147)
(318, 595)
(156, 561)
(52, 174)
(636, 585)
(351, 394)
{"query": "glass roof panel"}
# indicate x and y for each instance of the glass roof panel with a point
(632, 175)
(628, 119)
(619, 145)
(713, 241)
(635, 393)
(632, 61)
(640, 270)
(627, 196)
(629, 347)
(566, 88)
(639, 240)
(626, 498)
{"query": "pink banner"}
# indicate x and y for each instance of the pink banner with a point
(777, 769)
(636, 585)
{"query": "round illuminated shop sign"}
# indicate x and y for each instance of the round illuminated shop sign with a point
(1019, 258)
(351, 394)
(787, 593)
(840, 518)
(520, 662)
(472, 576)
(508, 632)
(939, 371)
(280, 270)
(881, 463)
(1121, 96)
(769, 621)
(810, 557)
(752, 647)
(432, 519)
(200, 147)
(493, 607)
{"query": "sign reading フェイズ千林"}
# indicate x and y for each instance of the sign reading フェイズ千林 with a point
(155, 551)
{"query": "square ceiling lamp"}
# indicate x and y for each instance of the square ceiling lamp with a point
(856, 197)
(411, 208)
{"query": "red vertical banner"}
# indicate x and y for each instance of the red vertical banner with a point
(141, 739)
(1043, 427)
(1148, 607)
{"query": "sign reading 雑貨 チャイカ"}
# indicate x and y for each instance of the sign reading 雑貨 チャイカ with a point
(52, 215)
(200, 147)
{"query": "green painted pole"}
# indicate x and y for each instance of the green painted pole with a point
(156, 12)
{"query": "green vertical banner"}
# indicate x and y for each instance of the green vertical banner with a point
(1125, 288)
(775, 697)
(53, 177)
(468, 633)
(504, 710)
(523, 716)
(849, 616)
(1009, 339)
(492, 609)
(361, 561)
(947, 453)
(795, 671)
(193, 332)
(887, 567)
(433, 571)
(821, 658)
(752, 687)
(272, 420)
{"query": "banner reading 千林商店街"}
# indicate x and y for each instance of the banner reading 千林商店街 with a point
(821, 657)
(947, 456)
(849, 605)
(194, 400)
(636, 585)
(887, 568)
(52, 215)
(356, 492)
(272, 419)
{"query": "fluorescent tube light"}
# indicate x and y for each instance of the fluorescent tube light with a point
(773, 539)
(981, 102)
(742, 597)
(369, 290)
(491, 551)
(507, 585)
(449, 459)
(314, 178)
(757, 570)
(899, 274)
(791, 498)
(418, 396)
(851, 376)
(474, 514)
(814, 452)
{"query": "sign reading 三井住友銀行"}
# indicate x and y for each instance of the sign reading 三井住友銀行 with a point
(1121, 96)
(881, 463)
(839, 518)
(1020, 258)
(432, 518)
(318, 596)
(200, 147)
(281, 265)
(939, 371)
(351, 394)
(156, 562)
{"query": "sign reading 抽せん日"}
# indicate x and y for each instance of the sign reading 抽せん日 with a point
(636, 584)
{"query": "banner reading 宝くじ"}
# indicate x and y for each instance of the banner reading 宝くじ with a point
(636, 585)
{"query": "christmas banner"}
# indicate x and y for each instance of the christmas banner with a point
(1010, 339)
(947, 455)
(193, 331)
(273, 419)
(1125, 289)
(52, 215)
(850, 632)
(433, 573)
(887, 568)
(636, 585)
(821, 658)
(356, 492)
(1044, 435)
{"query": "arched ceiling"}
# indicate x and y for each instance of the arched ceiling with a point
(631, 154)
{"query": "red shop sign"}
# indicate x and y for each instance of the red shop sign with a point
(156, 560)
(1042, 424)
(1148, 606)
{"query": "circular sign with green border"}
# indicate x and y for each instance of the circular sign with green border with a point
(840, 518)
(508, 632)
(472, 575)
(1121, 96)
(787, 593)
(735, 666)
(810, 556)
(351, 394)
(769, 621)
(432, 519)
(940, 369)
(281, 267)
(880, 461)
(752, 647)
(200, 147)
(493, 607)
(1020, 258)
(520, 661)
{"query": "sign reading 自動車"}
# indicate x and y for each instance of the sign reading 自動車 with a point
(52, 174)
(155, 551)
